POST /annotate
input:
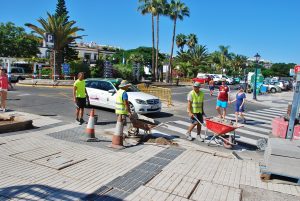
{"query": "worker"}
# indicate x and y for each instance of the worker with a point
(122, 110)
(195, 110)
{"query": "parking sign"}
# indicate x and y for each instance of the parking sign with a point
(49, 40)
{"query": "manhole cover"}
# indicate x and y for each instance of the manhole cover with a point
(59, 161)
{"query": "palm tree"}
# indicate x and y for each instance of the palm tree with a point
(192, 40)
(64, 33)
(238, 62)
(146, 7)
(177, 10)
(181, 41)
(224, 56)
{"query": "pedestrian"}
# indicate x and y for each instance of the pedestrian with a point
(79, 96)
(211, 86)
(240, 99)
(122, 110)
(195, 110)
(223, 99)
(3, 88)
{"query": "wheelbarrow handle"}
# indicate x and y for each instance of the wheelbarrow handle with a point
(202, 124)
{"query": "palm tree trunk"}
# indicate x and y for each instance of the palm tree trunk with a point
(157, 43)
(153, 46)
(171, 56)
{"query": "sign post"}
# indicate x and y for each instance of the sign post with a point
(40, 71)
(49, 39)
(295, 106)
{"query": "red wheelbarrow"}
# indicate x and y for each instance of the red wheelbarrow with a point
(220, 129)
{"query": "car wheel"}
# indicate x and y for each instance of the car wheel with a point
(273, 90)
(131, 107)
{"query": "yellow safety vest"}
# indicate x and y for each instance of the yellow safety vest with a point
(197, 101)
(120, 104)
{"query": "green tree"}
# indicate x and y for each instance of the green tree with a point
(181, 40)
(161, 8)
(64, 33)
(224, 56)
(282, 69)
(147, 7)
(198, 57)
(177, 10)
(238, 62)
(15, 42)
(69, 53)
(192, 40)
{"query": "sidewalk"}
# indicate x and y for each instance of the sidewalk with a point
(56, 164)
(280, 100)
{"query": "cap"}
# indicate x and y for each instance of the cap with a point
(124, 83)
(196, 84)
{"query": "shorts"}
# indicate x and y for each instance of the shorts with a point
(80, 102)
(199, 116)
(222, 104)
(211, 88)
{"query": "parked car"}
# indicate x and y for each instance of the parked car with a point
(17, 73)
(201, 78)
(281, 84)
(272, 87)
(102, 93)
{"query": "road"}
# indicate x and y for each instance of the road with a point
(57, 103)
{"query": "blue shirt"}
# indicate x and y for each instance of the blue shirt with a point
(125, 96)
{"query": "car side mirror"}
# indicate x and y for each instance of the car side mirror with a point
(111, 91)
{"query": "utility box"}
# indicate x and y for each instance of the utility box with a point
(282, 157)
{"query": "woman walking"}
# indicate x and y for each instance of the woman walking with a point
(239, 105)
(3, 88)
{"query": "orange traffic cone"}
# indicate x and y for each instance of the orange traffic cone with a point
(90, 129)
(117, 138)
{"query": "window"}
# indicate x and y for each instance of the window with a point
(105, 86)
(15, 70)
(92, 84)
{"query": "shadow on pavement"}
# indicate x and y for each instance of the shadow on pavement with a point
(49, 193)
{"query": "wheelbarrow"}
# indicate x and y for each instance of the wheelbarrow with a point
(220, 129)
(138, 122)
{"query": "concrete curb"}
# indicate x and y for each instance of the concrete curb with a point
(18, 124)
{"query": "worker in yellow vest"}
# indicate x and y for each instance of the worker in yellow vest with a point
(122, 110)
(195, 109)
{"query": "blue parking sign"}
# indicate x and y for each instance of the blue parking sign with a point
(66, 68)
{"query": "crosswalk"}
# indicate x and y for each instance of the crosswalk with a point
(258, 126)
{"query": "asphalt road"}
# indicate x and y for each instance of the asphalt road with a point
(58, 103)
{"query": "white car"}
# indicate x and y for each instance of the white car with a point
(102, 93)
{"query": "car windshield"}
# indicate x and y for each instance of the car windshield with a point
(132, 88)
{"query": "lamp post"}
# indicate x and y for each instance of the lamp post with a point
(245, 76)
(257, 58)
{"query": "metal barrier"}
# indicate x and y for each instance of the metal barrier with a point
(182, 79)
(164, 94)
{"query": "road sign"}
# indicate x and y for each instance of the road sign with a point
(66, 68)
(297, 69)
(40, 66)
(108, 70)
(49, 38)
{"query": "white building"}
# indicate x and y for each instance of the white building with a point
(88, 52)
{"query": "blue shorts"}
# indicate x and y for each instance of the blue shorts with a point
(211, 88)
(222, 104)
(238, 109)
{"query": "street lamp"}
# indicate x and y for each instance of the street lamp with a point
(257, 58)
(245, 76)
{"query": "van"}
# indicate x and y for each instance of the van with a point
(17, 73)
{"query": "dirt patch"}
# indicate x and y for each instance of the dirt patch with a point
(159, 140)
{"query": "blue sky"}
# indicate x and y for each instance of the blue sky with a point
(269, 27)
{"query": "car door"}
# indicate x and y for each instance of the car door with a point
(93, 92)
(108, 97)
